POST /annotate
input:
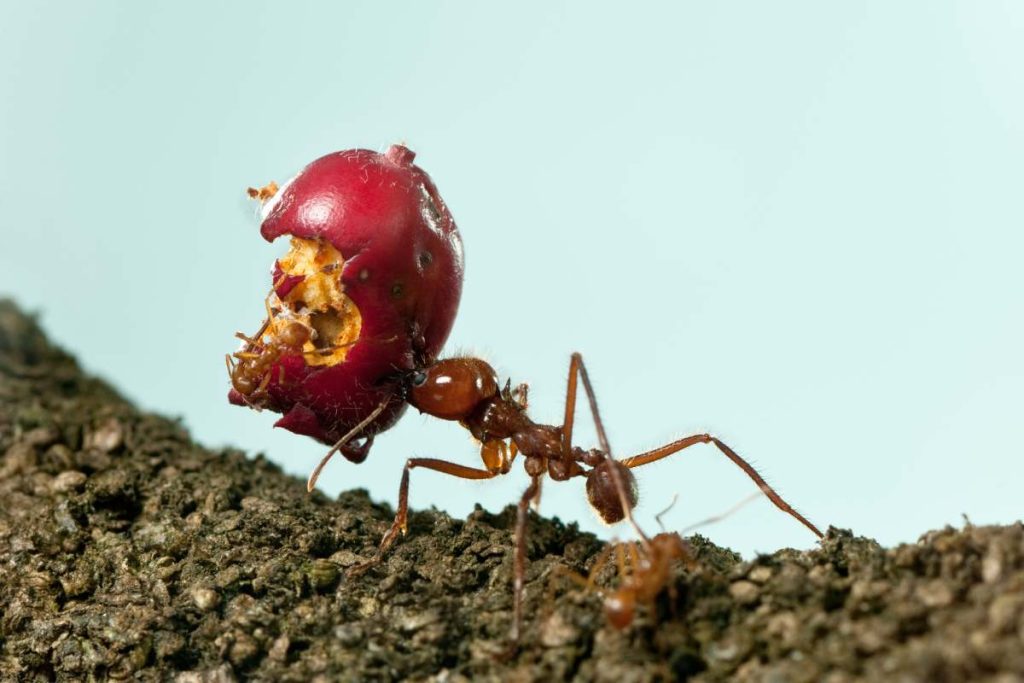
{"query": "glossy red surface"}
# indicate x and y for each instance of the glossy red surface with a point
(403, 270)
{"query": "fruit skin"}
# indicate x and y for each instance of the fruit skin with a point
(403, 270)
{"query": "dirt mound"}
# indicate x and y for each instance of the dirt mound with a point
(129, 552)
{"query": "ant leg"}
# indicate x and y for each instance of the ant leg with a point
(634, 557)
(519, 559)
(266, 305)
(560, 571)
(627, 562)
(576, 367)
(328, 350)
(264, 383)
(400, 524)
(253, 340)
(586, 583)
(676, 446)
(589, 582)
(599, 564)
(342, 444)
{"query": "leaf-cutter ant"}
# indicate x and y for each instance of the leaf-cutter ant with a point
(466, 390)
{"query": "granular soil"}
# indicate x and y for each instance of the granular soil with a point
(129, 552)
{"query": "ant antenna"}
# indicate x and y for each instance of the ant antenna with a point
(311, 484)
(722, 515)
(671, 505)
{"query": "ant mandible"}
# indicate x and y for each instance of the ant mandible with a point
(467, 390)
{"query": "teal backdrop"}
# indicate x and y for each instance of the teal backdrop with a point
(795, 224)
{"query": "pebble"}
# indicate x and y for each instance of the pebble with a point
(557, 632)
(279, 649)
(417, 620)
(935, 594)
(71, 480)
(744, 592)
(107, 437)
(1004, 612)
(243, 649)
(205, 598)
(992, 564)
(220, 674)
(368, 607)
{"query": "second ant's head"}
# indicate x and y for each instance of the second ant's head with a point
(604, 495)
(452, 388)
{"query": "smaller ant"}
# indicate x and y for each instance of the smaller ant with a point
(645, 568)
(250, 368)
(645, 571)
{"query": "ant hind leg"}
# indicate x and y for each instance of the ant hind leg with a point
(680, 444)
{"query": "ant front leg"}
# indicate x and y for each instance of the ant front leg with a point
(400, 524)
(676, 446)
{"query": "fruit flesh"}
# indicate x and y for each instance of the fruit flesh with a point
(318, 301)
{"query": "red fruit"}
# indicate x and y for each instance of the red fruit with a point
(368, 291)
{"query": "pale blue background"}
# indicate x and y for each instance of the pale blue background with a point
(795, 224)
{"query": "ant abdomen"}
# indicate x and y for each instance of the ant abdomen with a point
(603, 493)
(620, 608)
(243, 384)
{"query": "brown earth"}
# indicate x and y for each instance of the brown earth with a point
(127, 551)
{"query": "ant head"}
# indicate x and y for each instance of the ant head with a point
(450, 389)
(604, 495)
(670, 545)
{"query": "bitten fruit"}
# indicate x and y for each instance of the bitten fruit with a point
(368, 292)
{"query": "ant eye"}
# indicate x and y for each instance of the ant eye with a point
(419, 378)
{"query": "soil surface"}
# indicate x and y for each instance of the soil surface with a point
(129, 552)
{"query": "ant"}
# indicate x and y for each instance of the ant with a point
(250, 368)
(644, 572)
(645, 568)
(466, 390)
